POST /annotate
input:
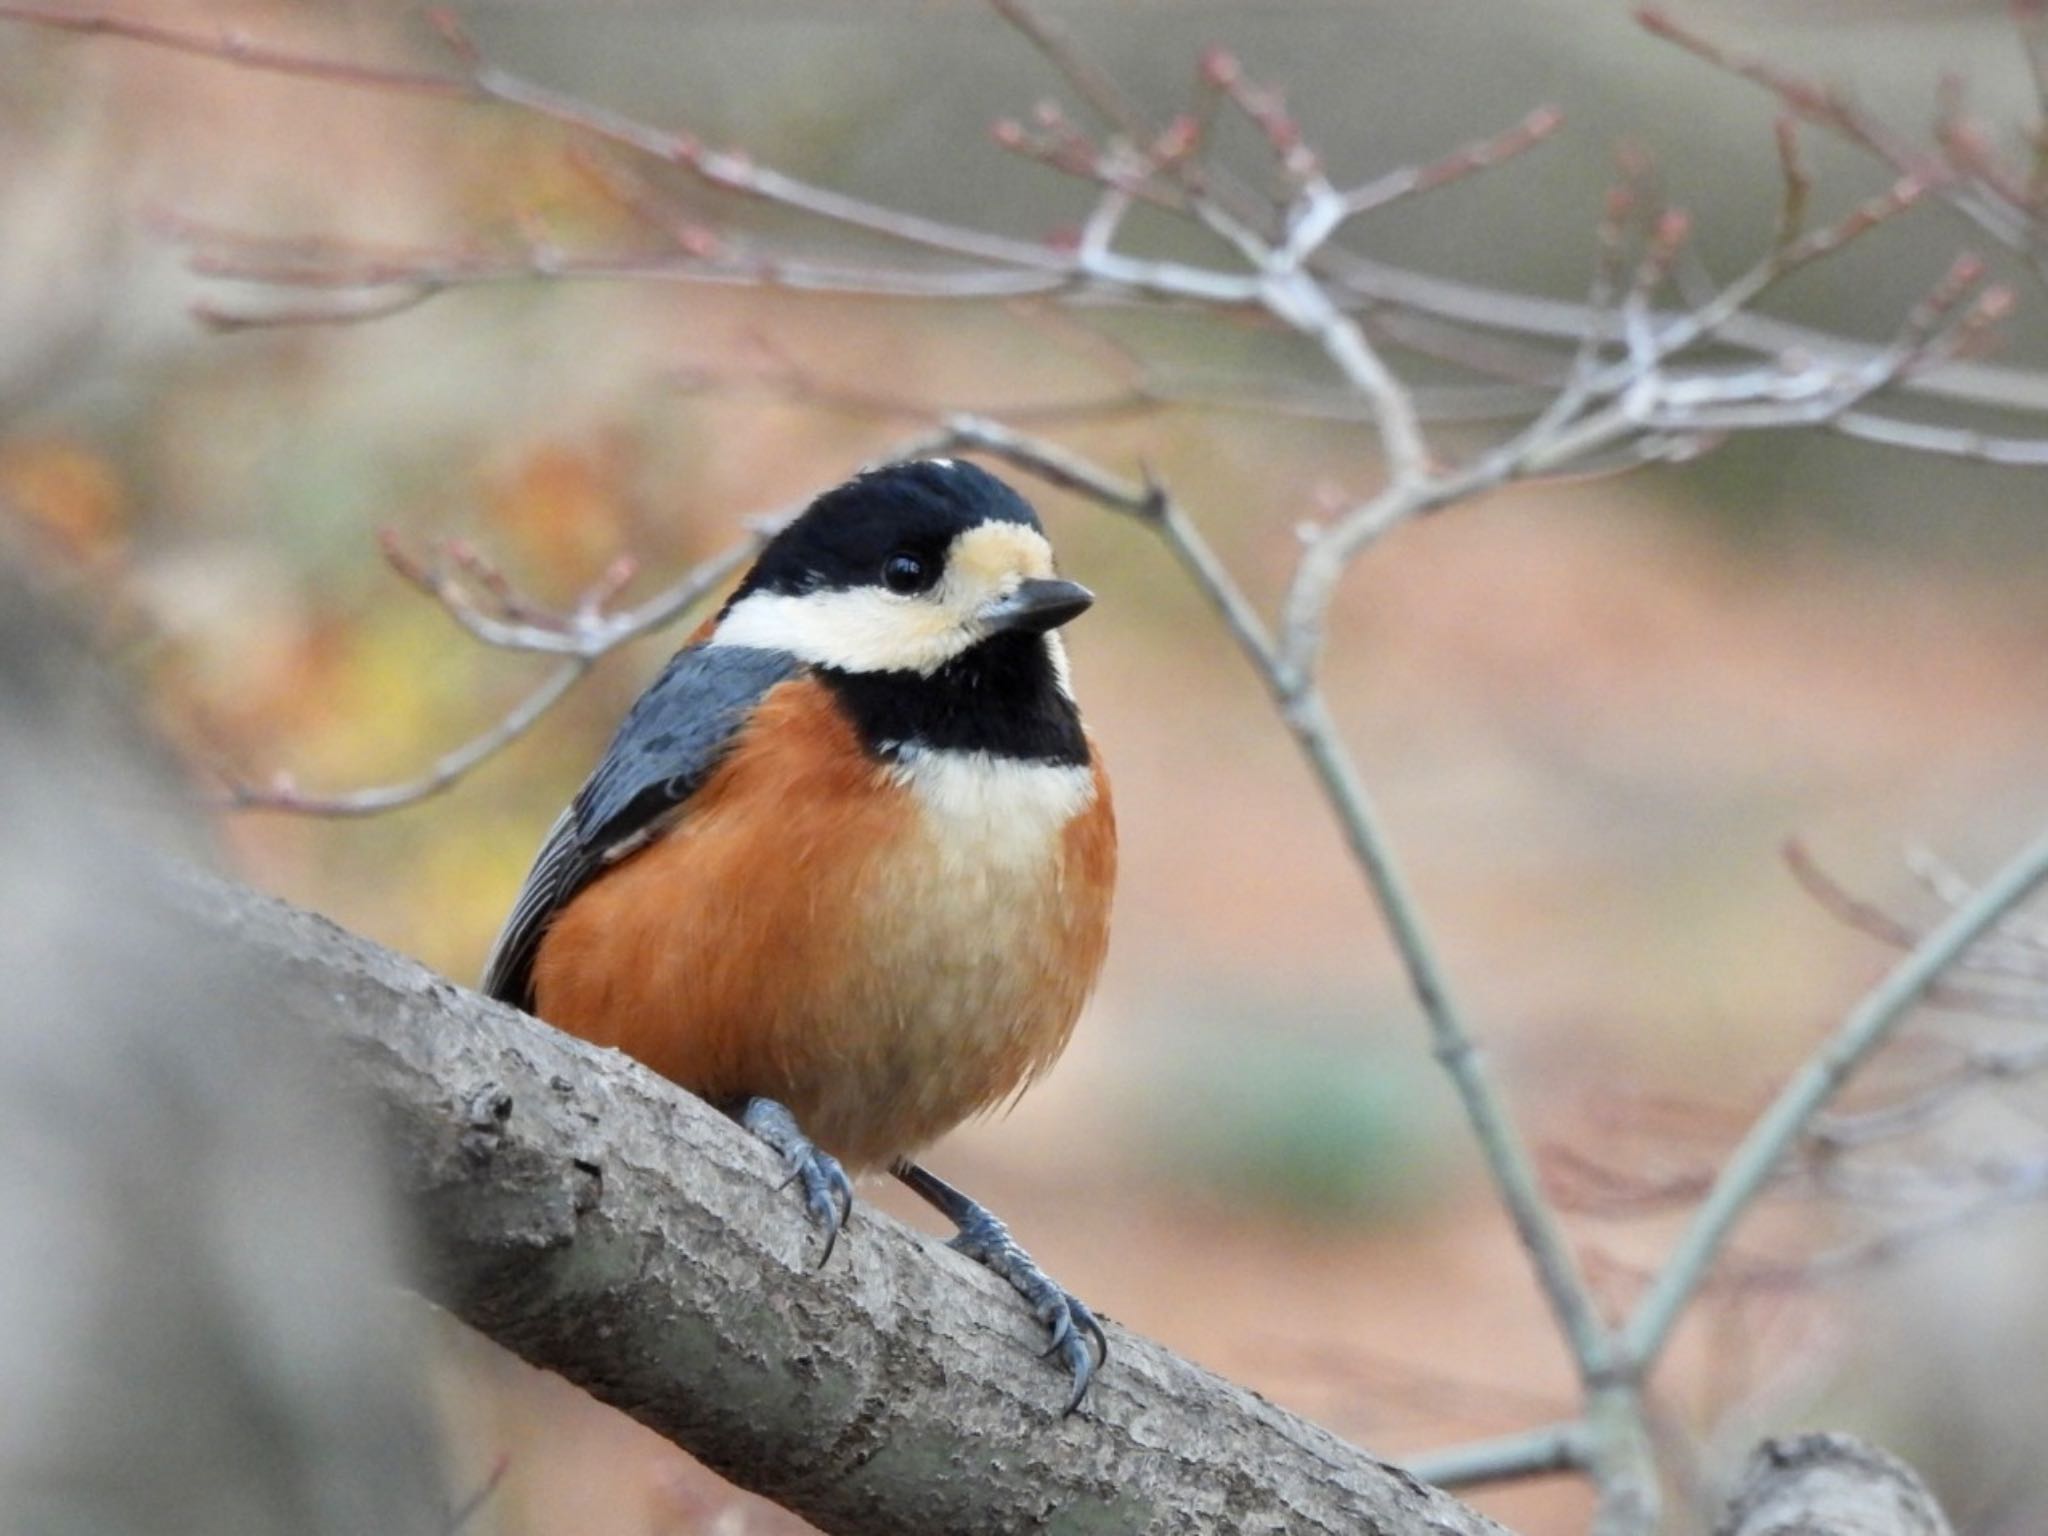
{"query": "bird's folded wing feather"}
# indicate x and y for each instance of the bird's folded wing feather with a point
(670, 741)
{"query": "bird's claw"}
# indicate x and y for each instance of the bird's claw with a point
(828, 1192)
(1066, 1317)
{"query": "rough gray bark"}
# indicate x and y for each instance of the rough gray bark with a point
(605, 1225)
(1830, 1485)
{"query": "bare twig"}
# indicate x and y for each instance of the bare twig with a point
(1950, 442)
(1979, 1067)
(1993, 958)
(1866, 1028)
(1578, 1182)
(282, 793)
(1483, 154)
(1090, 81)
(2020, 945)
(1532, 1453)
(580, 639)
(1963, 168)
(1382, 285)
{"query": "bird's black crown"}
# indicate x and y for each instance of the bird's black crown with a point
(918, 507)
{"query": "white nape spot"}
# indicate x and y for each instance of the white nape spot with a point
(994, 810)
(943, 463)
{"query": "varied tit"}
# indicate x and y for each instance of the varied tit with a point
(845, 870)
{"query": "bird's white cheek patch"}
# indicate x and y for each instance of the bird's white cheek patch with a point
(861, 630)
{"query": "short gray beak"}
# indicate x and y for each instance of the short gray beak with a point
(1038, 606)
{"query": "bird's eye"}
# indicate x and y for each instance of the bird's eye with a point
(904, 572)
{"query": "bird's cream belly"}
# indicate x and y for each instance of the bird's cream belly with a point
(962, 986)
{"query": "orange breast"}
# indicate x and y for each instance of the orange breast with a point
(886, 952)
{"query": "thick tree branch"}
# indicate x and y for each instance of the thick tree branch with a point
(608, 1226)
(1805, 1484)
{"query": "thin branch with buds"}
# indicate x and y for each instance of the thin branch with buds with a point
(506, 620)
(1964, 167)
(363, 284)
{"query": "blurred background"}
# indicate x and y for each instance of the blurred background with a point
(1593, 711)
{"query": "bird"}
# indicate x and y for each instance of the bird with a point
(845, 870)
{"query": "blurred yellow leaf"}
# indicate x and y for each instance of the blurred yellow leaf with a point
(70, 497)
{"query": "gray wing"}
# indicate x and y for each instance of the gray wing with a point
(671, 739)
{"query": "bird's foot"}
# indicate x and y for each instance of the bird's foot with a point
(983, 1238)
(828, 1193)
(1066, 1317)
